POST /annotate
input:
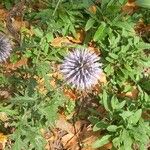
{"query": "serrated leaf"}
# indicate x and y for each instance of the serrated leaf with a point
(89, 24)
(100, 142)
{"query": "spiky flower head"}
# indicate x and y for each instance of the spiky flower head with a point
(81, 68)
(5, 48)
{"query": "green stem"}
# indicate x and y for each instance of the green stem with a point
(56, 7)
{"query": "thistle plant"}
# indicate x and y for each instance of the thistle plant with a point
(81, 68)
(5, 48)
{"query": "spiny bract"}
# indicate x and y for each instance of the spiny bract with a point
(81, 68)
(5, 48)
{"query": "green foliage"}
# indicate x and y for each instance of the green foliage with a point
(143, 3)
(123, 125)
(123, 55)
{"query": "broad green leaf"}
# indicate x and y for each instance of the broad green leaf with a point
(143, 3)
(105, 101)
(94, 119)
(112, 128)
(114, 102)
(38, 32)
(127, 66)
(110, 59)
(143, 45)
(127, 140)
(100, 125)
(18, 144)
(122, 104)
(109, 70)
(102, 141)
(135, 117)
(99, 34)
(116, 142)
(112, 55)
(126, 114)
(49, 37)
(89, 24)
(126, 25)
(104, 3)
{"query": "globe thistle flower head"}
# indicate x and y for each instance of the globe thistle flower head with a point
(5, 48)
(81, 68)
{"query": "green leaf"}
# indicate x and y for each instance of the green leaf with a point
(114, 102)
(94, 119)
(112, 128)
(116, 142)
(143, 45)
(38, 32)
(8, 110)
(100, 125)
(49, 37)
(128, 26)
(135, 117)
(127, 140)
(100, 142)
(143, 3)
(89, 24)
(122, 104)
(109, 59)
(105, 101)
(112, 55)
(109, 70)
(99, 34)
(126, 114)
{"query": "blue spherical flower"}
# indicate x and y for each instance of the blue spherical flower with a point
(5, 48)
(81, 68)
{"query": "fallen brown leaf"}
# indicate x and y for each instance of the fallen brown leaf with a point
(103, 78)
(63, 124)
(66, 138)
(14, 66)
(92, 9)
(95, 50)
(18, 24)
(130, 7)
(80, 35)
(3, 14)
(60, 41)
(3, 140)
(142, 29)
(132, 94)
(4, 94)
(3, 116)
(70, 94)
